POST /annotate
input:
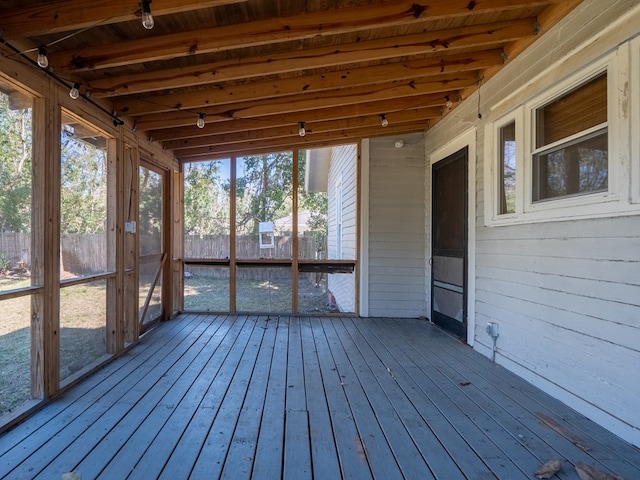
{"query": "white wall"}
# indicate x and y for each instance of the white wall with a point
(343, 172)
(395, 252)
(565, 291)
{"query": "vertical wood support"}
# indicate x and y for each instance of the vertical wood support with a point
(178, 240)
(294, 241)
(115, 247)
(232, 236)
(130, 256)
(167, 244)
(45, 234)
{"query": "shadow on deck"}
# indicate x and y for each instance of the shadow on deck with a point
(237, 397)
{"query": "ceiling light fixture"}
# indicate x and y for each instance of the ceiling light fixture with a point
(200, 121)
(75, 91)
(43, 61)
(301, 130)
(448, 103)
(383, 120)
(147, 18)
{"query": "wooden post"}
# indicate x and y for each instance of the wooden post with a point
(45, 318)
(115, 247)
(178, 240)
(130, 256)
(294, 231)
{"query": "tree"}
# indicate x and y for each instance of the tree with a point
(206, 199)
(263, 189)
(15, 167)
(83, 194)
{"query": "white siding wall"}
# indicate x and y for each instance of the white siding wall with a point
(396, 247)
(343, 172)
(566, 294)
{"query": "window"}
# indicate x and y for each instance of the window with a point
(549, 156)
(508, 168)
(571, 143)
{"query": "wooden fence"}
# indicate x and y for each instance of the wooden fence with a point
(83, 254)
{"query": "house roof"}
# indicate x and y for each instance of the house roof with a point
(255, 69)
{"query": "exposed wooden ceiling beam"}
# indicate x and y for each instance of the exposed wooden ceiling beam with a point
(224, 123)
(309, 141)
(298, 27)
(68, 15)
(224, 138)
(354, 77)
(321, 100)
(494, 34)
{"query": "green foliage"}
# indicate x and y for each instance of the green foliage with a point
(264, 189)
(5, 263)
(315, 202)
(206, 199)
(15, 167)
(83, 195)
(150, 195)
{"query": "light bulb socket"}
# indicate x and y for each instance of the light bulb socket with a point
(383, 120)
(75, 91)
(447, 101)
(301, 130)
(43, 61)
(200, 122)
(147, 18)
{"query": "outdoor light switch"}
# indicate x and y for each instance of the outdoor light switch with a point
(130, 227)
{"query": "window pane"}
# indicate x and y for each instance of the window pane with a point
(313, 203)
(150, 216)
(579, 168)
(83, 320)
(264, 206)
(508, 168)
(206, 289)
(15, 191)
(582, 108)
(263, 289)
(15, 348)
(206, 209)
(150, 272)
(83, 199)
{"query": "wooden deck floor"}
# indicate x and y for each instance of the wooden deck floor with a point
(205, 397)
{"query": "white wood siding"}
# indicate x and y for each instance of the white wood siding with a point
(566, 294)
(343, 171)
(396, 248)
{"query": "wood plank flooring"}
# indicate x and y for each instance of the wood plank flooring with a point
(237, 397)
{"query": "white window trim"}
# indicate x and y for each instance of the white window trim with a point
(634, 107)
(622, 192)
(492, 172)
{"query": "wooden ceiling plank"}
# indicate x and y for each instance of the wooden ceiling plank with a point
(309, 141)
(276, 30)
(230, 125)
(322, 100)
(450, 40)
(396, 118)
(69, 15)
(354, 77)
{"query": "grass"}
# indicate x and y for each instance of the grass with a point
(82, 336)
(83, 314)
(204, 293)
